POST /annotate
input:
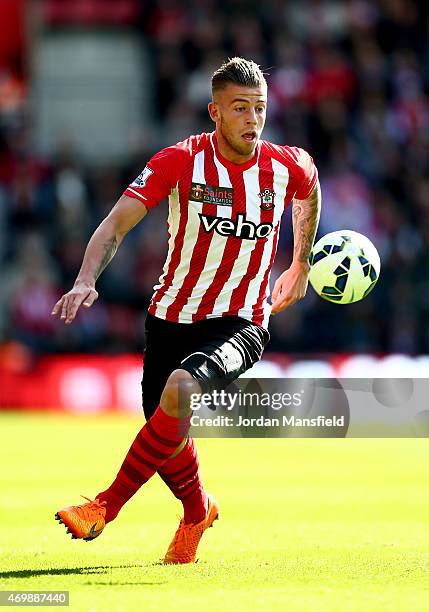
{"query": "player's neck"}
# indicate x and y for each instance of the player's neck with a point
(228, 153)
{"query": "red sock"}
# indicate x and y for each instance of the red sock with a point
(152, 447)
(181, 476)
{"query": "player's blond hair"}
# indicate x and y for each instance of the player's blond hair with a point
(239, 71)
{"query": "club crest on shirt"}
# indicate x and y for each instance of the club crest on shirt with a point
(208, 194)
(197, 192)
(267, 199)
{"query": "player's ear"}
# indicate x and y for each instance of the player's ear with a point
(213, 111)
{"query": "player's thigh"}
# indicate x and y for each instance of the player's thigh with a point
(166, 347)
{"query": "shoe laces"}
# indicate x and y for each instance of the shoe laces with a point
(94, 506)
(186, 538)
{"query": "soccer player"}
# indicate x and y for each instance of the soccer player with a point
(208, 316)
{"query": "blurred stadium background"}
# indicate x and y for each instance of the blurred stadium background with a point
(90, 89)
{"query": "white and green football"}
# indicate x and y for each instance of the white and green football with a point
(344, 266)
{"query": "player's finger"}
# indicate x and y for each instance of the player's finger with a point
(282, 294)
(56, 308)
(276, 291)
(281, 304)
(276, 307)
(279, 308)
(91, 298)
(64, 308)
(75, 304)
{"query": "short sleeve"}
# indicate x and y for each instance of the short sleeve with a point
(158, 178)
(306, 174)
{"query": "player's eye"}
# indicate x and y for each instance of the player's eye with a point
(239, 108)
(260, 109)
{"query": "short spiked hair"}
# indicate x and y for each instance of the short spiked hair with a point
(239, 71)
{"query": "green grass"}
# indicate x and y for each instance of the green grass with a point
(305, 524)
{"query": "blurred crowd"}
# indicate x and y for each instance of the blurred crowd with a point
(348, 81)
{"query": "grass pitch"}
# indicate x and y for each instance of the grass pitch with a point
(305, 524)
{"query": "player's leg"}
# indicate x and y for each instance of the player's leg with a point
(152, 447)
(182, 476)
(228, 355)
(227, 349)
(88, 520)
(181, 472)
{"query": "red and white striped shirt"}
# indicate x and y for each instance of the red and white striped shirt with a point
(223, 225)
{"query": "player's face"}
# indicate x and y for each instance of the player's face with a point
(239, 113)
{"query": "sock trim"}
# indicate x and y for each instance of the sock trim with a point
(161, 439)
(138, 462)
(148, 448)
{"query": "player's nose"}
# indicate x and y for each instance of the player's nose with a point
(251, 118)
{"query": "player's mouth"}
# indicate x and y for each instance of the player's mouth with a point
(249, 136)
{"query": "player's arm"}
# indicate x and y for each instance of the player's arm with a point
(291, 286)
(101, 248)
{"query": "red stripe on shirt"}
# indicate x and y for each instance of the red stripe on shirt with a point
(258, 311)
(199, 254)
(266, 180)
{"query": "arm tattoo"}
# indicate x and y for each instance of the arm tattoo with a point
(305, 219)
(109, 249)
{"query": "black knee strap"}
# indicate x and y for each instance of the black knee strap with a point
(201, 367)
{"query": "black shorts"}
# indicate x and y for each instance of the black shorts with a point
(230, 345)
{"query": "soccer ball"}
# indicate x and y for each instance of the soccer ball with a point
(345, 266)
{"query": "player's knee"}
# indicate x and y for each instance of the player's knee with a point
(203, 367)
(174, 399)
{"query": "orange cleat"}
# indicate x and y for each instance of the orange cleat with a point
(85, 521)
(183, 547)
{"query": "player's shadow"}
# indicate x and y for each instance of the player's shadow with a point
(63, 571)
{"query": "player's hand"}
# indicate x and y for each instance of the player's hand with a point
(69, 304)
(290, 287)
